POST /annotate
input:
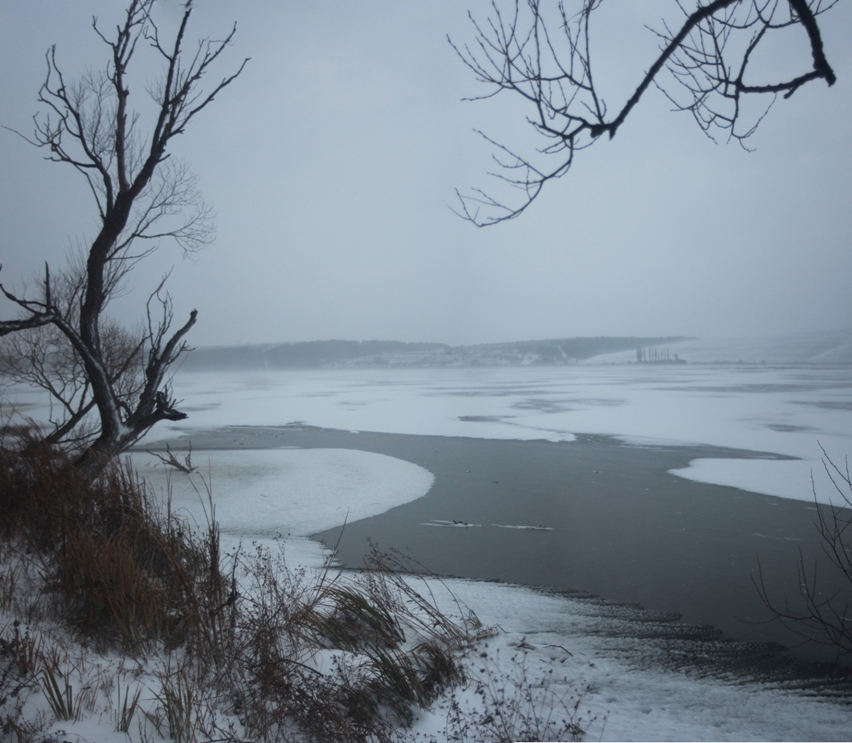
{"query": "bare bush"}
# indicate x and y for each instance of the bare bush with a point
(820, 617)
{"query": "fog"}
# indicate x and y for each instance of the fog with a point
(333, 161)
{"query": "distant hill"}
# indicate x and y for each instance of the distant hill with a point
(305, 355)
(335, 354)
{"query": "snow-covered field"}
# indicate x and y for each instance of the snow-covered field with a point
(787, 410)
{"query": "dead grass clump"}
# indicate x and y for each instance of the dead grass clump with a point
(342, 656)
(18, 653)
(119, 566)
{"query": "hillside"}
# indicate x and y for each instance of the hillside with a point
(305, 355)
(334, 354)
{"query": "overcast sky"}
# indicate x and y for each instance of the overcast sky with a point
(332, 164)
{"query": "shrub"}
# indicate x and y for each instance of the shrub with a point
(121, 567)
(822, 617)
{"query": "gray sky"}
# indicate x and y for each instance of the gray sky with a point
(332, 164)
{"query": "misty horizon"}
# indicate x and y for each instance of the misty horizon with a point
(332, 167)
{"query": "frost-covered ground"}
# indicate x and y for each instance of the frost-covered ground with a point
(782, 410)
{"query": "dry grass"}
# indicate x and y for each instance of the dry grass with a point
(341, 656)
(250, 648)
(511, 704)
(120, 567)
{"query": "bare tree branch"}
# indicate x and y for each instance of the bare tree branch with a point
(544, 58)
(819, 617)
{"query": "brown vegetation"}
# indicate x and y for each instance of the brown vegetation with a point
(334, 657)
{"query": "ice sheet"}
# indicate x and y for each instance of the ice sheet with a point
(786, 410)
(292, 492)
(783, 411)
(787, 479)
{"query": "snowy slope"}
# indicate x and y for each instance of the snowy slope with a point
(830, 347)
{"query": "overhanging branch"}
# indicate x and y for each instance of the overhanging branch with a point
(546, 61)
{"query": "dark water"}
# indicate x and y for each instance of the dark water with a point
(616, 526)
(619, 526)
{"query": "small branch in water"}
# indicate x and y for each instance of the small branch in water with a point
(171, 460)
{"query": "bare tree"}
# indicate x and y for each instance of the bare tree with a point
(542, 53)
(43, 357)
(143, 195)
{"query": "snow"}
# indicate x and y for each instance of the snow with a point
(566, 649)
(627, 694)
(263, 493)
(633, 700)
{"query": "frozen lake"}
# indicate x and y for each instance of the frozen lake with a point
(629, 526)
(265, 483)
(784, 410)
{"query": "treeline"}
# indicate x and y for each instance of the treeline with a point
(656, 356)
(304, 355)
(318, 354)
